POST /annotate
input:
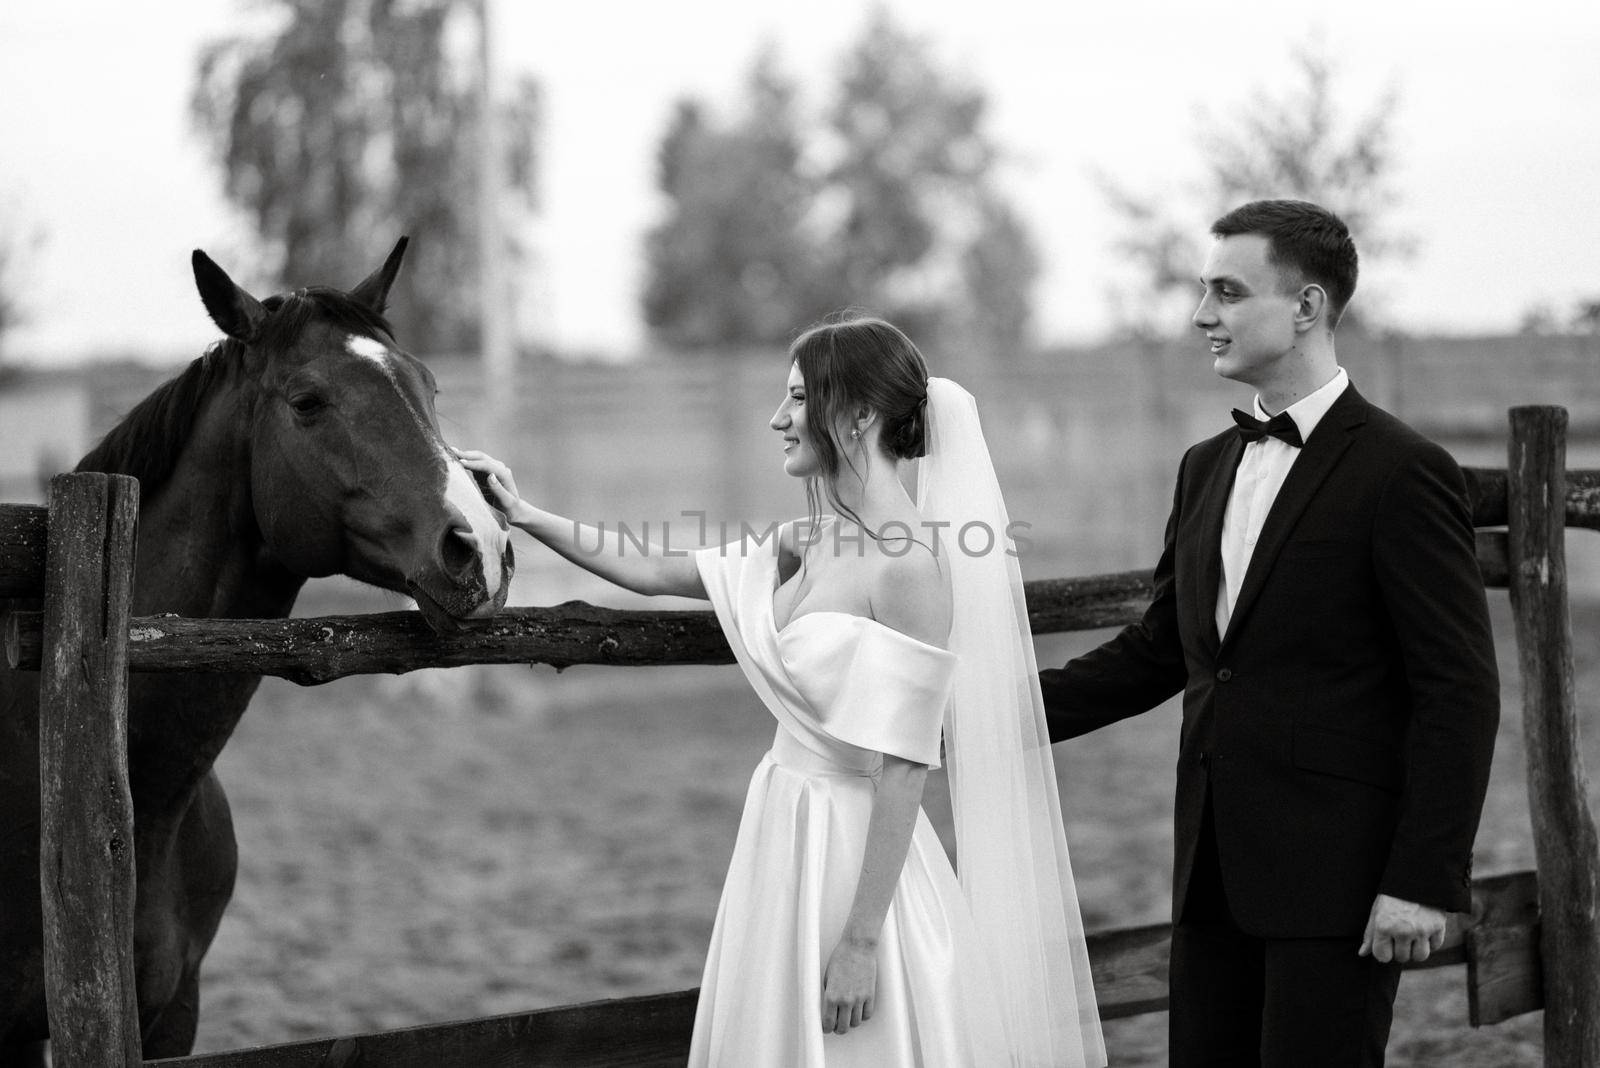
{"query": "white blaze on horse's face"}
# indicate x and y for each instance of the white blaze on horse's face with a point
(487, 534)
(483, 528)
(369, 348)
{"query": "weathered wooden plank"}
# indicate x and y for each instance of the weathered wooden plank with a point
(1583, 499)
(1508, 979)
(86, 833)
(313, 650)
(643, 1032)
(317, 649)
(1113, 600)
(22, 548)
(1486, 490)
(1504, 974)
(1564, 836)
(1130, 978)
(1129, 965)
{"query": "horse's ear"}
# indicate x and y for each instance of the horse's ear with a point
(231, 308)
(374, 289)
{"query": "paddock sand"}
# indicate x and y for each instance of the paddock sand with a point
(449, 844)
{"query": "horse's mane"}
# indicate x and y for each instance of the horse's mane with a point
(147, 442)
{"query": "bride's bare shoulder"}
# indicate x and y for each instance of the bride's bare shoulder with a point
(910, 592)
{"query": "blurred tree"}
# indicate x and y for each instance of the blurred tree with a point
(17, 242)
(888, 204)
(9, 307)
(352, 122)
(1000, 267)
(1539, 318)
(732, 264)
(1296, 143)
(1586, 316)
(923, 234)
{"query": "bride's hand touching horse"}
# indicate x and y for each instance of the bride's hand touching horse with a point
(652, 570)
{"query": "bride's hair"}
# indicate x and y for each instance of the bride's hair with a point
(860, 362)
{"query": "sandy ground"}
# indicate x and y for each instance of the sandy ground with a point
(450, 844)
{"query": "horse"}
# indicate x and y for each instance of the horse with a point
(304, 443)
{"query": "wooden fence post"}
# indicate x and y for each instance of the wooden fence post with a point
(86, 837)
(1564, 835)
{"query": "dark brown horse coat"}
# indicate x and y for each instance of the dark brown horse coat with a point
(305, 444)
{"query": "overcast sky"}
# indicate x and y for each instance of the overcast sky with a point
(1498, 135)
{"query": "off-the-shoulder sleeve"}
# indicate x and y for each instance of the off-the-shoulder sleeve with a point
(876, 688)
(736, 574)
(719, 572)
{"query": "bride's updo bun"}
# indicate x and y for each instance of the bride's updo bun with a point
(908, 439)
(863, 362)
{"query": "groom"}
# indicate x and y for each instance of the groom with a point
(1318, 602)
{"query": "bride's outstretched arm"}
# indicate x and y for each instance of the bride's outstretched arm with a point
(652, 570)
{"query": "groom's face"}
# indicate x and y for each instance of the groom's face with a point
(1247, 311)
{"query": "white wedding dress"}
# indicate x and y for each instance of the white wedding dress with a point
(843, 688)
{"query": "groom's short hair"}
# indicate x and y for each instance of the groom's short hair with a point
(1305, 241)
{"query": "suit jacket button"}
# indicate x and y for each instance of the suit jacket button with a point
(1223, 674)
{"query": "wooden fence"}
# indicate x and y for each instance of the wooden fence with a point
(1531, 942)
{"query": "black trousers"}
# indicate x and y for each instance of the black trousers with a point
(1239, 1000)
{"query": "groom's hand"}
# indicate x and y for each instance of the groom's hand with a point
(1402, 931)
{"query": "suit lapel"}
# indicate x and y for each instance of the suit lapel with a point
(1317, 458)
(1209, 544)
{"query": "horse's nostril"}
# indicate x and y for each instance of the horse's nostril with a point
(458, 551)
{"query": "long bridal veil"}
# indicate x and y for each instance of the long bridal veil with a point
(1011, 849)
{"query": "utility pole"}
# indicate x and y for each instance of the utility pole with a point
(494, 295)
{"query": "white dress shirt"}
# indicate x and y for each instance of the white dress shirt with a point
(1262, 469)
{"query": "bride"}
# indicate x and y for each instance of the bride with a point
(870, 633)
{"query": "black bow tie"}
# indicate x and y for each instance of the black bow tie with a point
(1280, 426)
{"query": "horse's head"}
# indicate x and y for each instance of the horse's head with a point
(348, 470)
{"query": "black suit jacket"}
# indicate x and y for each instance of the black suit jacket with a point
(1344, 724)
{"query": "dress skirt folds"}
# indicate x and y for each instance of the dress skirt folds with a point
(844, 689)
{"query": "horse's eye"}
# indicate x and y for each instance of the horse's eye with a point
(306, 404)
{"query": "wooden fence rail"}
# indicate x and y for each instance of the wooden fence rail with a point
(1524, 939)
(317, 649)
